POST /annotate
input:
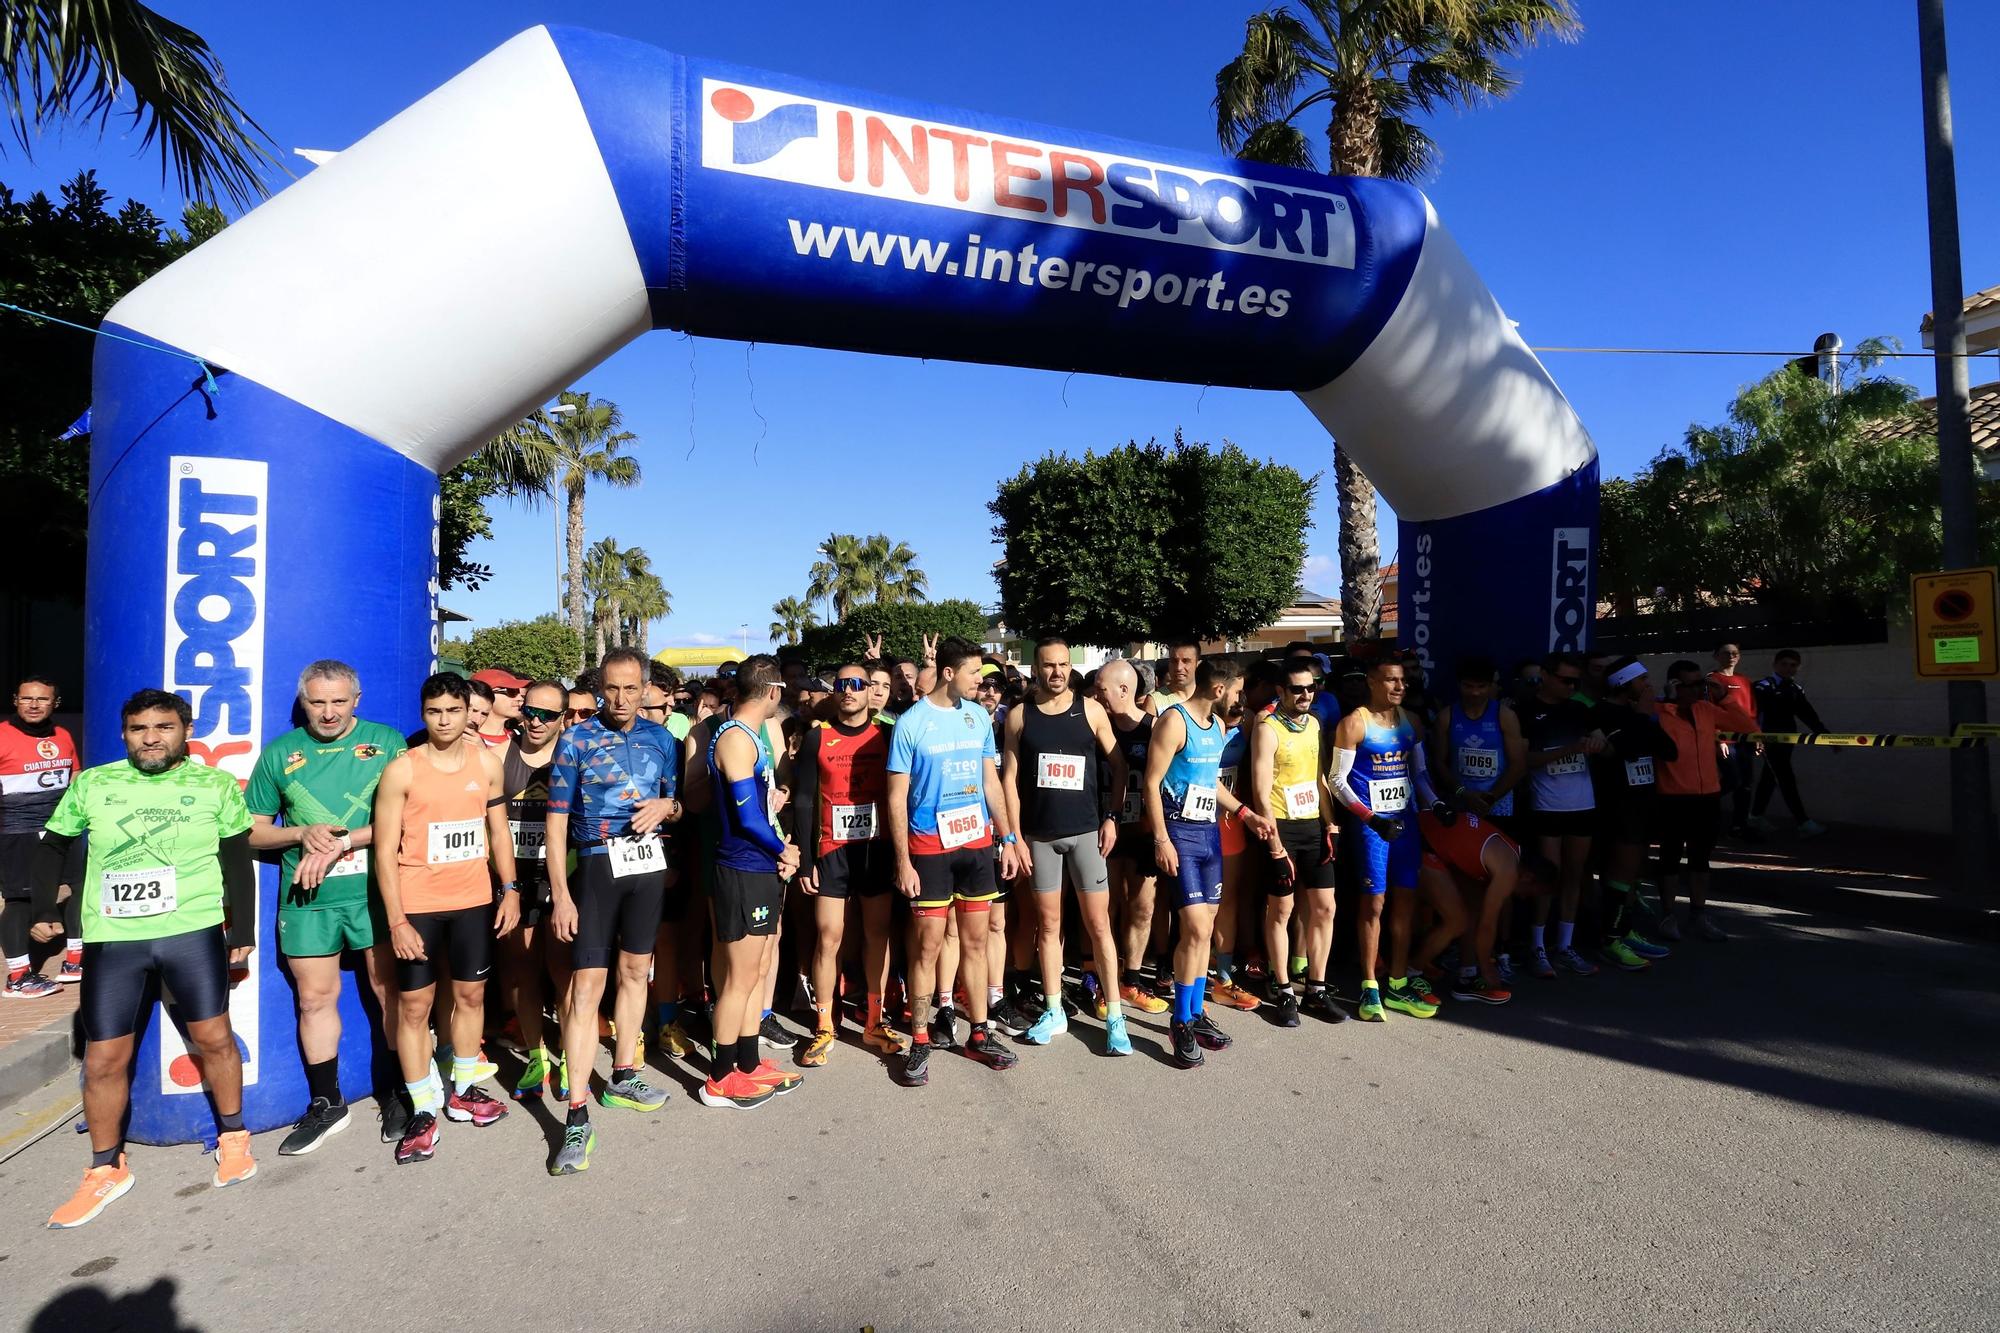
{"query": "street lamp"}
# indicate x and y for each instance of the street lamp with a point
(746, 639)
(562, 542)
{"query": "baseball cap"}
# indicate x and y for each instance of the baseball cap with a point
(992, 669)
(1323, 662)
(817, 685)
(500, 679)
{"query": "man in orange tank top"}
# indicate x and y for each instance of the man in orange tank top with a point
(440, 813)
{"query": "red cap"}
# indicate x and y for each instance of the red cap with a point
(499, 679)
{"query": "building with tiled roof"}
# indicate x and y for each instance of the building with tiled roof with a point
(1982, 336)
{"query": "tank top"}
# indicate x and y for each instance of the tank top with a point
(1187, 792)
(442, 853)
(1059, 772)
(527, 790)
(1384, 769)
(1294, 790)
(851, 772)
(1479, 752)
(1134, 743)
(733, 848)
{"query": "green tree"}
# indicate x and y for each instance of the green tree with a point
(543, 647)
(1146, 540)
(851, 570)
(794, 617)
(627, 595)
(73, 259)
(565, 451)
(1372, 66)
(902, 626)
(646, 600)
(88, 59)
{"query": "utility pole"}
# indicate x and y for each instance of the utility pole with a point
(1971, 778)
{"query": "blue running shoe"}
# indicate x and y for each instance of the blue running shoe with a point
(1644, 947)
(1047, 1028)
(1115, 1040)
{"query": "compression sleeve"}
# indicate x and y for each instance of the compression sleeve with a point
(1425, 792)
(46, 875)
(239, 889)
(1343, 790)
(748, 796)
(805, 801)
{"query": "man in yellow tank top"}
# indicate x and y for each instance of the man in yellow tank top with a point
(1287, 786)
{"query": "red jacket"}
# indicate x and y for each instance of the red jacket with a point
(1698, 772)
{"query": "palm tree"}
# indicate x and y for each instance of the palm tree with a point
(794, 617)
(1373, 64)
(645, 600)
(893, 568)
(85, 58)
(839, 577)
(567, 451)
(604, 577)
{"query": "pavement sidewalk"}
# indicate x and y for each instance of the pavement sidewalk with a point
(35, 1042)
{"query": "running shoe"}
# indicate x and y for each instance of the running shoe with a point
(1622, 956)
(990, 1051)
(1644, 947)
(1160, 983)
(1403, 998)
(944, 1029)
(632, 1092)
(880, 1038)
(1233, 996)
(1447, 963)
(534, 1074)
(1504, 965)
(1209, 1036)
(1047, 1028)
(482, 1068)
(1370, 1008)
(29, 986)
(916, 1070)
(778, 1080)
(574, 1154)
(1143, 1000)
(673, 1039)
(474, 1105)
(1421, 987)
(1575, 962)
(1298, 968)
(1705, 928)
(102, 1186)
(559, 1079)
(321, 1121)
(233, 1163)
(1668, 928)
(1117, 1041)
(1008, 1018)
(1288, 1007)
(815, 1051)
(1540, 965)
(72, 970)
(775, 1035)
(1093, 990)
(1187, 1051)
(1478, 992)
(736, 1089)
(394, 1108)
(419, 1141)
(1321, 1005)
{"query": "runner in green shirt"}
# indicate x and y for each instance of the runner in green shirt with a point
(321, 779)
(169, 861)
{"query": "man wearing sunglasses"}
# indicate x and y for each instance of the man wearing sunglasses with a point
(839, 826)
(1288, 786)
(524, 770)
(1562, 734)
(508, 696)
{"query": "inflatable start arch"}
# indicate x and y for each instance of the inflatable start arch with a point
(381, 318)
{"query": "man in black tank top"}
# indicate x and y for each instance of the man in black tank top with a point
(524, 767)
(1133, 872)
(1054, 747)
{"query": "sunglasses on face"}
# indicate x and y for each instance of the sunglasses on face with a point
(534, 714)
(1300, 689)
(989, 684)
(850, 685)
(579, 714)
(510, 691)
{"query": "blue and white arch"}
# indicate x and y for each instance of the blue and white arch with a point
(382, 317)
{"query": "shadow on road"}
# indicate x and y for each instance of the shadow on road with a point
(150, 1310)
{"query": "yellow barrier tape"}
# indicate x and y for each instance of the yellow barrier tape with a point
(1989, 730)
(1863, 740)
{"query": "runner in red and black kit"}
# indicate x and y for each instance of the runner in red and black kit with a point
(37, 760)
(840, 826)
(1473, 859)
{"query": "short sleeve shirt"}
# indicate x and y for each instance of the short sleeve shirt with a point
(945, 751)
(154, 868)
(599, 776)
(306, 780)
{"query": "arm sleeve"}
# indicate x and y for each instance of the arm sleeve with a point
(805, 800)
(239, 889)
(1343, 790)
(47, 873)
(748, 796)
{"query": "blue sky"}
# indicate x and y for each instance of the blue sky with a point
(1700, 174)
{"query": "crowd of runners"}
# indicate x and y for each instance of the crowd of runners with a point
(951, 855)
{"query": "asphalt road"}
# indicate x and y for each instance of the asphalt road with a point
(1797, 1129)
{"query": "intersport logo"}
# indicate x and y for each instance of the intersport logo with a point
(781, 136)
(216, 553)
(1569, 589)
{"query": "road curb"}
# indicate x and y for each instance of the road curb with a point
(33, 1060)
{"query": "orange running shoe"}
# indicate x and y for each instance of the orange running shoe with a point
(101, 1187)
(774, 1078)
(880, 1038)
(1144, 1001)
(232, 1158)
(1233, 996)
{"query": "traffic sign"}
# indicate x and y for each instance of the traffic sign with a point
(1952, 615)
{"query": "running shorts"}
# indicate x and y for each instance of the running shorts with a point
(614, 913)
(1389, 865)
(1199, 848)
(746, 902)
(964, 876)
(459, 941)
(1305, 843)
(319, 932)
(1079, 855)
(120, 976)
(1628, 821)
(1135, 848)
(1562, 824)
(1234, 840)
(855, 870)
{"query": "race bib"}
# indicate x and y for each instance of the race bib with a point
(125, 894)
(1566, 766)
(1225, 778)
(1388, 796)
(350, 863)
(1302, 800)
(455, 840)
(1135, 802)
(636, 854)
(1478, 765)
(531, 839)
(1639, 772)
(1199, 804)
(1060, 772)
(854, 823)
(958, 827)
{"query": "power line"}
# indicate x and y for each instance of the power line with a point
(1735, 351)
